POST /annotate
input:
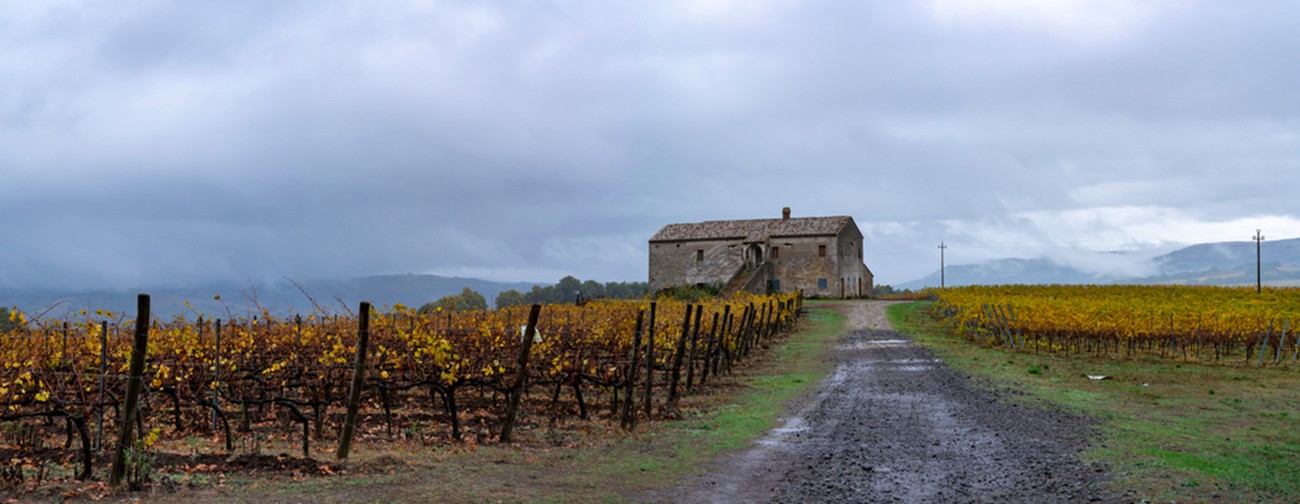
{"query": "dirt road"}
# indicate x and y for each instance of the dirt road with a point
(894, 424)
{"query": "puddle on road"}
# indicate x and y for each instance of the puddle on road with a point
(779, 437)
(912, 365)
(776, 437)
(865, 344)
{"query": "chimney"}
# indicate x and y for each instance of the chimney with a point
(785, 213)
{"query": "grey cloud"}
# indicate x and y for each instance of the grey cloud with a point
(205, 142)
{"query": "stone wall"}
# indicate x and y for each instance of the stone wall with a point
(680, 263)
(799, 266)
(856, 278)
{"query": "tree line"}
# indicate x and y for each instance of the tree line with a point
(7, 321)
(568, 290)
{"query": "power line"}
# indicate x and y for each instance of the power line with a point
(942, 247)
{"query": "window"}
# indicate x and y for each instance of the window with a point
(821, 282)
(699, 255)
(821, 252)
(776, 252)
(774, 285)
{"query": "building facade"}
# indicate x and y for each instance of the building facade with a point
(822, 256)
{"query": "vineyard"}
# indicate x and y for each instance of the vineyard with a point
(73, 394)
(1195, 324)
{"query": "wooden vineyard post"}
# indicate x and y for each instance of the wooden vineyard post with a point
(103, 374)
(650, 363)
(134, 383)
(690, 357)
(755, 320)
(729, 339)
(521, 374)
(215, 404)
(1263, 347)
(747, 333)
(749, 329)
(358, 377)
(741, 335)
(709, 349)
(678, 355)
(627, 418)
(1286, 324)
(721, 346)
(216, 373)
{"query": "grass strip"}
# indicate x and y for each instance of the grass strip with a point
(669, 451)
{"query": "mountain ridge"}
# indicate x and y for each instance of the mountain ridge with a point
(228, 300)
(1220, 263)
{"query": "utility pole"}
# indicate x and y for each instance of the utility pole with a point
(1259, 284)
(942, 247)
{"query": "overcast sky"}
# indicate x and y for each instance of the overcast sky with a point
(149, 143)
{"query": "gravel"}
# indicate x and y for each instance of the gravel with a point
(893, 423)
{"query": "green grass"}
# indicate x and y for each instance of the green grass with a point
(1168, 430)
(685, 447)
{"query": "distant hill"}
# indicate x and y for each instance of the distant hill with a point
(283, 297)
(1226, 263)
(1008, 271)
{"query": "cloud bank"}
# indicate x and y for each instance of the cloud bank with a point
(155, 142)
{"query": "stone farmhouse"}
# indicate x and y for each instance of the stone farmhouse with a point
(822, 256)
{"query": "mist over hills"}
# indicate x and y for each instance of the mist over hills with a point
(1224, 263)
(283, 297)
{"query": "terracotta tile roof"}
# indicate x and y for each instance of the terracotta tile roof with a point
(752, 229)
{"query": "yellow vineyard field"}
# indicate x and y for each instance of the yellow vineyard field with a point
(266, 374)
(1205, 323)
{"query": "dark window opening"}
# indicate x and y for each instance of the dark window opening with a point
(821, 251)
(821, 283)
(776, 252)
(699, 256)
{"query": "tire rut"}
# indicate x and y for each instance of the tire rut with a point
(892, 423)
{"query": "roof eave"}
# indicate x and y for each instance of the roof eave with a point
(711, 238)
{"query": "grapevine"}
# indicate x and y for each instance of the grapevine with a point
(269, 375)
(1196, 324)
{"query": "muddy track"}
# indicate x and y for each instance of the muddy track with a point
(894, 424)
